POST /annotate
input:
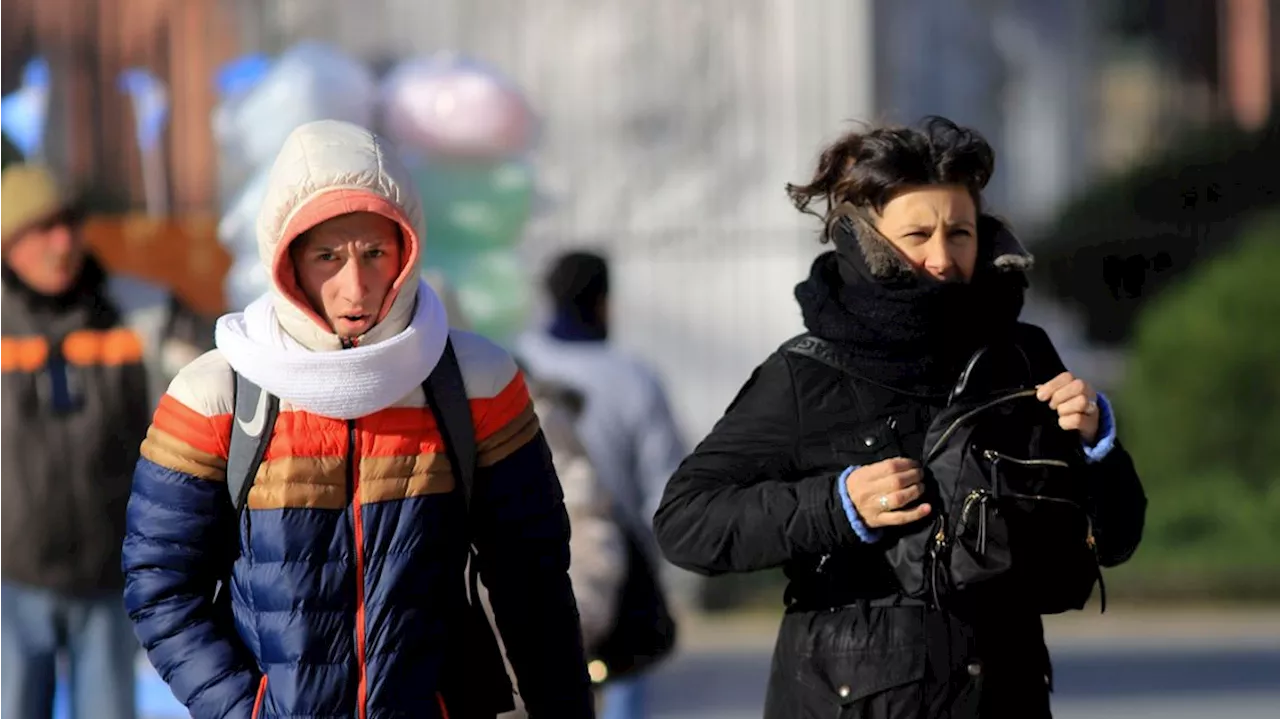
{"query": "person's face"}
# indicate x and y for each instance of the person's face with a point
(346, 268)
(935, 229)
(47, 258)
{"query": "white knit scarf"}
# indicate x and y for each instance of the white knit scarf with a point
(343, 384)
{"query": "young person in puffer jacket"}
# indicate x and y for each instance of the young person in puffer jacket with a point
(347, 591)
(813, 468)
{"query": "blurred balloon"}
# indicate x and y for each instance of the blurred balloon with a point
(448, 106)
(492, 289)
(262, 101)
(237, 77)
(150, 98)
(309, 81)
(23, 111)
(238, 227)
(472, 207)
(245, 282)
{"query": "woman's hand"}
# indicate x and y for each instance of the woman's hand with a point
(880, 491)
(1076, 403)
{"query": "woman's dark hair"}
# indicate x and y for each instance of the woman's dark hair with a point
(867, 169)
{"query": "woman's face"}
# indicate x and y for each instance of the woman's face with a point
(935, 228)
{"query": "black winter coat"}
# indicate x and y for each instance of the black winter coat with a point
(760, 491)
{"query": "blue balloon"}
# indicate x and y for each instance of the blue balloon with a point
(22, 112)
(240, 75)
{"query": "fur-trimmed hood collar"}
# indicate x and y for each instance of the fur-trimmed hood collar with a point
(999, 249)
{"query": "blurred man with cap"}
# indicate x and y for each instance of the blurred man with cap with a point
(83, 357)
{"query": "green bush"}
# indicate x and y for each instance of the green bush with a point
(1116, 246)
(1200, 412)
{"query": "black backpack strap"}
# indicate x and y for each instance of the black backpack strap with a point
(447, 399)
(446, 396)
(253, 422)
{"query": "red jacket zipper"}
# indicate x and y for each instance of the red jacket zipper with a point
(262, 694)
(353, 474)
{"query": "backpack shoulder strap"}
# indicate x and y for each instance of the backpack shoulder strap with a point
(252, 422)
(254, 419)
(446, 396)
(447, 399)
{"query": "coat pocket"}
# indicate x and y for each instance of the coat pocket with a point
(839, 666)
(869, 440)
(868, 684)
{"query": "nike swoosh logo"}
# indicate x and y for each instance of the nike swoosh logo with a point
(258, 421)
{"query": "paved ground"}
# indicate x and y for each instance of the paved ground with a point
(1222, 663)
(1091, 684)
(1129, 663)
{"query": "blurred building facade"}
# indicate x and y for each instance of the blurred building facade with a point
(671, 127)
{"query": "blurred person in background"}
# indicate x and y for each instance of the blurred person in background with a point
(626, 424)
(815, 466)
(345, 555)
(85, 354)
(597, 546)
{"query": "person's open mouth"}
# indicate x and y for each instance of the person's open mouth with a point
(355, 320)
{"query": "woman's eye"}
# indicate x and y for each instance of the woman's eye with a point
(376, 253)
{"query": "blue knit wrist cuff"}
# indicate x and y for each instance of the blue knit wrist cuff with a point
(865, 533)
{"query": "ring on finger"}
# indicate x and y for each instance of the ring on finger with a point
(1092, 407)
(884, 503)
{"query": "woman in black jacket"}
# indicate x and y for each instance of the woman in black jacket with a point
(812, 468)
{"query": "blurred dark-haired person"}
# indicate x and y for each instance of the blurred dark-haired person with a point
(85, 356)
(626, 423)
(816, 467)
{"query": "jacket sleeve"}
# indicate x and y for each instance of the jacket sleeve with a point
(521, 532)
(1119, 501)
(736, 504)
(179, 542)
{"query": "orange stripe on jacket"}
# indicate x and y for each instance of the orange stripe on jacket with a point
(23, 354)
(504, 423)
(116, 346)
(514, 435)
(400, 432)
(211, 435)
(302, 434)
(391, 432)
(402, 453)
(494, 413)
(184, 440)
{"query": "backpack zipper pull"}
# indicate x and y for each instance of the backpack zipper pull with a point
(982, 525)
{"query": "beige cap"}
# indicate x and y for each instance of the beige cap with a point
(29, 195)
